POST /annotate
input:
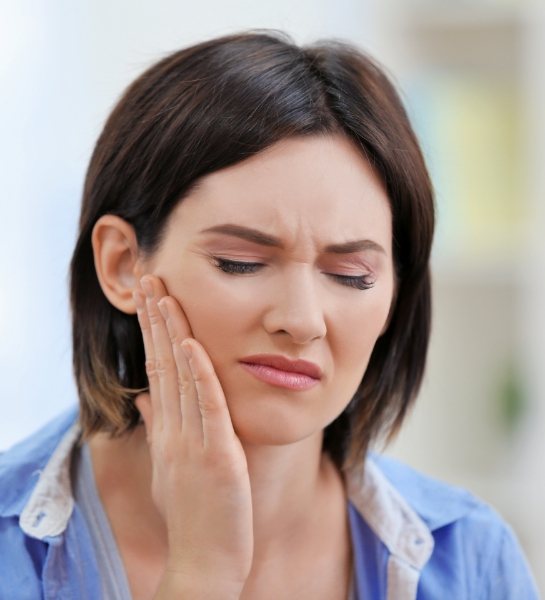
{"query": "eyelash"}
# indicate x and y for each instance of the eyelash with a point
(236, 267)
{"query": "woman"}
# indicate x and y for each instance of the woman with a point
(250, 294)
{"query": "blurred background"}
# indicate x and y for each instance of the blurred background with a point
(472, 77)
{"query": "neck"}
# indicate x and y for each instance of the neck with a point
(288, 483)
(293, 486)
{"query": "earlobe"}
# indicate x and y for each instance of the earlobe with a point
(143, 404)
(115, 251)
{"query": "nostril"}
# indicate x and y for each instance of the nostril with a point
(297, 312)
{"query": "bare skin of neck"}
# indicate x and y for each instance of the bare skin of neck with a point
(301, 534)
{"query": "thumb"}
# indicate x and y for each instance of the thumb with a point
(143, 404)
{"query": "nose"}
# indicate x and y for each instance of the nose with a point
(297, 307)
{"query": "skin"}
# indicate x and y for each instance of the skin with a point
(221, 450)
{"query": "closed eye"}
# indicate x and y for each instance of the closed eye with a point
(360, 282)
(237, 267)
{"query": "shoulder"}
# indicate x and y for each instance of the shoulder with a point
(436, 503)
(474, 547)
(20, 469)
(21, 465)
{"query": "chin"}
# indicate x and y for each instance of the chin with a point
(271, 430)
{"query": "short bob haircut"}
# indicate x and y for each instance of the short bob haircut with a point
(213, 105)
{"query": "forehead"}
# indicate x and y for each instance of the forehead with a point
(319, 186)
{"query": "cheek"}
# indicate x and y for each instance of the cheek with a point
(356, 335)
(217, 312)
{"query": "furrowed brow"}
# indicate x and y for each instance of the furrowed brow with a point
(354, 246)
(265, 239)
(246, 233)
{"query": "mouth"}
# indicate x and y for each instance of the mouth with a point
(282, 372)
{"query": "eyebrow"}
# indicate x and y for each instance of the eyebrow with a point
(265, 239)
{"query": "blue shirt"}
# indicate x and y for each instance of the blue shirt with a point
(412, 537)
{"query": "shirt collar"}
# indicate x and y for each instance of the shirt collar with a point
(438, 504)
(387, 513)
(50, 505)
(402, 521)
(22, 465)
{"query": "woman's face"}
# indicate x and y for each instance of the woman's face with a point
(287, 254)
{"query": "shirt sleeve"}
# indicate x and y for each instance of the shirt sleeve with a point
(508, 576)
(20, 562)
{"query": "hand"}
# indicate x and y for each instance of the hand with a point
(200, 481)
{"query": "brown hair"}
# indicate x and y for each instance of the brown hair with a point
(215, 104)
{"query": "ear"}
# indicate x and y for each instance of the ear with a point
(143, 404)
(118, 268)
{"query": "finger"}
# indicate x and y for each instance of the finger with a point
(218, 432)
(149, 350)
(177, 327)
(165, 366)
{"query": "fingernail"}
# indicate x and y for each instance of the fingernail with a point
(147, 287)
(187, 350)
(163, 308)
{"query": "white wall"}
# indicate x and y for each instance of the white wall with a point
(45, 141)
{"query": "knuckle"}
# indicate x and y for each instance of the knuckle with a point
(184, 385)
(208, 407)
(198, 378)
(151, 370)
(175, 337)
(201, 375)
(204, 373)
(154, 318)
(163, 365)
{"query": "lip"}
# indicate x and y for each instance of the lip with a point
(297, 375)
(303, 367)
